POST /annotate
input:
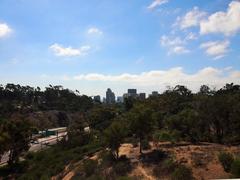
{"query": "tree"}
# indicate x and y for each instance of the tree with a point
(187, 123)
(76, 134)
(114, 136)
(101, 117)
(19, 133)
(4, 137)
(141, 122)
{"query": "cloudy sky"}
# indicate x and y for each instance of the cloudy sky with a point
(92, 45)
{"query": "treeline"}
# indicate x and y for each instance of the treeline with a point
(16, 97)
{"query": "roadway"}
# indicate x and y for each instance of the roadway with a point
(38, 145)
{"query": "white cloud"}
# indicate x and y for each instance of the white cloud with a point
(216, 49)
(156, 3)
(174, 45)
(171, 41)
(191, 36)
(174, 76)
(94, 30)
(4, 30)
(227, 22)
(190, 19)
(180, 50)
(59, 50)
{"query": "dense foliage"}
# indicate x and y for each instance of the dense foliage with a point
(15, 97)
(175, 115)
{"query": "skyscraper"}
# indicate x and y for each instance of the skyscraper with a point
(97, 98)
(132, 92)
(110, 96)
(142, 96)
(155, 93)
(120, 99)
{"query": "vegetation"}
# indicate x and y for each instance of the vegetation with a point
(230, 163)
(182, 173)
(226, 160)
(16, 136)
(235, 168)
(140, 122)
(175, 115)
(114, 136)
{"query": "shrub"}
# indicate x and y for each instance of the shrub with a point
(169, 165)
(226, 160)
(182, 173)
(89, 167)
(121, 168)
(235, 168)
(107, 158)
(145, 144)
(154, 156)
(165, 168)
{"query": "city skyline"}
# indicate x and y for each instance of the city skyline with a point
(111, 97)
(93, 45)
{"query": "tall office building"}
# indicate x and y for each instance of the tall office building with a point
(120, 99)
(155, 93)
(110, 96)
(142, 96)
(97, 98)
(132, 92)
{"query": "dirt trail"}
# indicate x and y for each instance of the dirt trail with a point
(68, 176)
(142, 172)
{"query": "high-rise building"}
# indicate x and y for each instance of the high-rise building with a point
(120, 99)
(104, 100)
(155, 93)
(97, 98)
(132, 92)
(142, 96)
(110, 96)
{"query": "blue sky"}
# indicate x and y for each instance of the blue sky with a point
(92, 45)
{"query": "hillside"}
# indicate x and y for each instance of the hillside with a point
(202, 159)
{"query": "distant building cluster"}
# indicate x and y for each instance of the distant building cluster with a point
(131, 93)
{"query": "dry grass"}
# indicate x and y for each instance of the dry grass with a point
(202, 159)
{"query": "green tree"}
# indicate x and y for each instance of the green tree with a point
(187, 123)
(19, 135)
(114, 136)
(101, 117)
(141, 122)
(76, 134)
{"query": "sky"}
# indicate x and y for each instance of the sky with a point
(94, 45)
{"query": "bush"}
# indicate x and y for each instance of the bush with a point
(107, 159)
(154, 156)
(182, 173)
(226, 160)
(235, 168)
(165, 168)
(89, 167)
(145, 144)
(121, 168)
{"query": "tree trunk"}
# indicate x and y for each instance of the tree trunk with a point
(140, 145)
(117, 153)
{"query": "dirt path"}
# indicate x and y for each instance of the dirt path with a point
(140, 171)
(68, 176)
